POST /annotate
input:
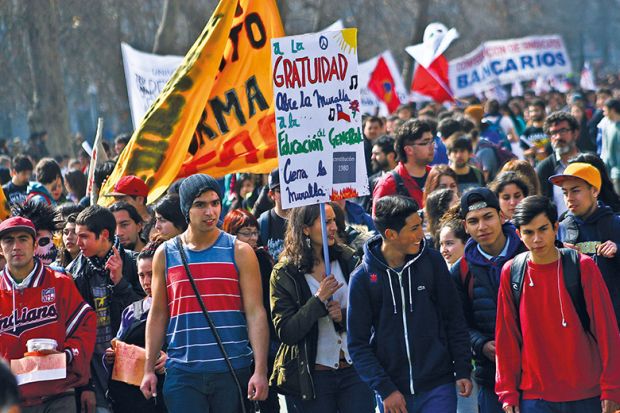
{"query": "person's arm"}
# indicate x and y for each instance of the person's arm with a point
(603, 326)
(360, 326)
(258, 330)
(451, 310)
(508, 339)
(156, 323)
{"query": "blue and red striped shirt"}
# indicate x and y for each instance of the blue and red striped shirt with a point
(191, 344)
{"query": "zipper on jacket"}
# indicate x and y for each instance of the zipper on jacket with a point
(404, 311)
(305, 341)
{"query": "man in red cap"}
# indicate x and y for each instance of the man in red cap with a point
(134, 191)
(38, 302)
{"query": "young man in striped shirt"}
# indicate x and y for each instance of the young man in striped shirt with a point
(225, 272)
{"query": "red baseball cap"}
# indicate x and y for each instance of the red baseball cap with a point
(17, 224)
(130, 185)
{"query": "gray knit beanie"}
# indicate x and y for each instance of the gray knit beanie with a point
(194, 186)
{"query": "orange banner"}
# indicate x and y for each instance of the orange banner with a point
(214, 115)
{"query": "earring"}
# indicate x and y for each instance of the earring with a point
(307, 241)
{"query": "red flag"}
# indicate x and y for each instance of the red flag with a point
(434, 81)
(381, 83)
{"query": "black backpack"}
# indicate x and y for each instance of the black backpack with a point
(401, 189)
(572, 279)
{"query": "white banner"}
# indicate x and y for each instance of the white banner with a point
(506, 61)
(370, 103)
(146, 75)
(318, 119)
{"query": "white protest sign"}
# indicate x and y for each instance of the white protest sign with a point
(506, 61)
(146, 75)
(318, 119)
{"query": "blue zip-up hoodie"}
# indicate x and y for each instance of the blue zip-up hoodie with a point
(406, 329)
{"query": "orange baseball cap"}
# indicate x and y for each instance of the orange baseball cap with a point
(581, 170)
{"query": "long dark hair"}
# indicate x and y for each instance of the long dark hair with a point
(297, 248)
(607, 194)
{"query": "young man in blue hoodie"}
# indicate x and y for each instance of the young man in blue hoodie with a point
(406, 332)
(476, 276)
(591, 226)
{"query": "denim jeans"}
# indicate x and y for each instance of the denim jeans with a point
(204, 393)
(340, 391)
(488, 401)
(441, 399)
(592, 405)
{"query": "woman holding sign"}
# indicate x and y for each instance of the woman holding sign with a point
(313, 367)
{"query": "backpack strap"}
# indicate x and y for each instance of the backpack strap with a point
(400, 183)
(517, 273)
(466, 278)
(571, 229)
(571, 269)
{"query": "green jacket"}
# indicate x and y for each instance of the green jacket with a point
(295, 312)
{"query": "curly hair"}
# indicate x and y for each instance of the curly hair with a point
(434, 176)
(437, 203)
(560, 116)
(42, 215)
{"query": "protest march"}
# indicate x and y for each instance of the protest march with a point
(288, 229)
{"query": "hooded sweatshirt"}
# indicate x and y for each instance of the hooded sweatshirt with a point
(480, 301)
(406, 331)
(46, 305)
(37, 192)
(601, 226)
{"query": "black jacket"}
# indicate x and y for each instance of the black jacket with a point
(544, 170)
(478, 287)
(295, 312)
(124, 293)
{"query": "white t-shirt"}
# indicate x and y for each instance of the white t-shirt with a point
(330, 342)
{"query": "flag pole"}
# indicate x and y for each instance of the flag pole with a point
(328, 269)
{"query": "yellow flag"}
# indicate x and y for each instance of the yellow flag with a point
(5, 211)
(214, 115)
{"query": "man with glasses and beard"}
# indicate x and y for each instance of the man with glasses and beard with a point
(563, 130)
(415, 148)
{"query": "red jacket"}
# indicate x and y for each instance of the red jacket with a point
(545, 360)
(387, 185)
(50, 306)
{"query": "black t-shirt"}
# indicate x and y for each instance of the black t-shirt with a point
(15, 194)
(272, 230)
(470, 180)
(533, 136)
(420, 181)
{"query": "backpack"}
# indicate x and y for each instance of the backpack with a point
(495, 133)
(35, 193)
(604, 227)
(503, 155)
(572, 279)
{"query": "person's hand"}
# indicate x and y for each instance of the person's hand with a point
(115, 266)
(258, 388)
(571, 246)
(88, 401)
(464, 387)
(109, 355)
(160, 365)
(327, 288)
(489, 350)
(511, 409)
(335, 312)
(607, 249)
(149, 385)
(395, 403)
(609, 406)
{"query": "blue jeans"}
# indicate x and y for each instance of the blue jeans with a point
(441, 399)
(592, 405)
(203, 393)
(467, 404)
(488, 401)
(340, 391)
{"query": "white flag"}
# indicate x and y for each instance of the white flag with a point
(587, 77)
(97, 157)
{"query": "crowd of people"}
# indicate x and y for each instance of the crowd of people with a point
(481, 274)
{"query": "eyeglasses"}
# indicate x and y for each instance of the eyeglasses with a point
(248, 234)
(562, 131)
(43, 241)
(425, 143)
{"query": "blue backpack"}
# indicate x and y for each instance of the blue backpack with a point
(495, 133)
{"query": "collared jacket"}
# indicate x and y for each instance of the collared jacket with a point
(295, 313)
